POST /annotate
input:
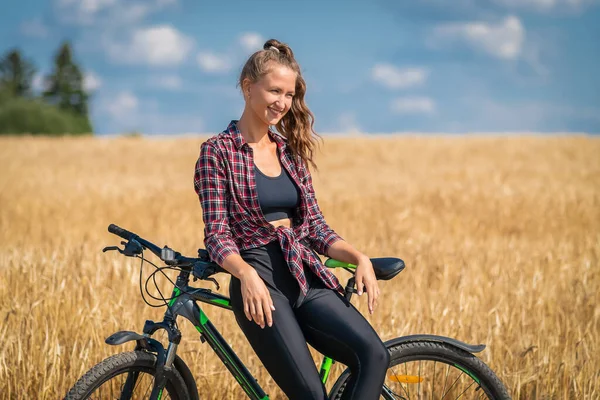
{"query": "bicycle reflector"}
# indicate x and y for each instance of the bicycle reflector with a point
(406, 378)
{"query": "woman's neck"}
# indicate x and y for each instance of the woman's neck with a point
(254, 131)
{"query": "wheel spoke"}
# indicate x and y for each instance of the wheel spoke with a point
(407, 385)
(451, 386)
(433, 381)
(419, 382)
(142, 384)
(148, 389)
(446, 378)
(400, 383)
(463, 392)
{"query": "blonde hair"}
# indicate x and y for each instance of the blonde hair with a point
(297, 124)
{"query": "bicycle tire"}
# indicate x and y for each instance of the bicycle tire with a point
(424, 350)
(122, 363)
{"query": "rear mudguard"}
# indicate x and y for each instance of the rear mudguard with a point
(471, 348)
(413, 338)
(154, 346)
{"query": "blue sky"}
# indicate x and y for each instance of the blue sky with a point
(377, 66)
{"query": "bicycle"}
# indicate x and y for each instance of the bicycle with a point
(152, 368)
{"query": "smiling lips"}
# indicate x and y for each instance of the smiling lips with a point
(275, 111)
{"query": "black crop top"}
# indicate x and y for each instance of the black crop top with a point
(278, 196)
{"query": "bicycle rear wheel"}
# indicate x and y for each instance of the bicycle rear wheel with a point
(126, 375)
(434, 370)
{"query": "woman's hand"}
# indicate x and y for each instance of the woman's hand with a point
(365, 279)
(258, 304)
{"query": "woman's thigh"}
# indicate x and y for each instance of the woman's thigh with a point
(334, 327)
(281, 348)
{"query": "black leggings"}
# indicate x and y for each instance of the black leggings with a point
(323, 318)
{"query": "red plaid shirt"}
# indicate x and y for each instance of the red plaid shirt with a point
(233, 220)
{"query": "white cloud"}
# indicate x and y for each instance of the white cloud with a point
(91, 81)
(82, 12)
(251, 41)
(125, 112)
(108, 12)
(92, 6)
(398, 78)
(159, 45)
(169, 82)
(123, 107)
(546, 5)
(134, 12)
(413, 105)
(502, 40)
(212, 62)
(34, 28)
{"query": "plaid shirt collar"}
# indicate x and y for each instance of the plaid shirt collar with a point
(239, 141)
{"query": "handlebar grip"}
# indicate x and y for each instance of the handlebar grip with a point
(125, 234)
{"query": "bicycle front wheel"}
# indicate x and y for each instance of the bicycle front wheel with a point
(433, 370)
(126, 376)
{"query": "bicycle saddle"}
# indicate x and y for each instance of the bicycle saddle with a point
(387, 267)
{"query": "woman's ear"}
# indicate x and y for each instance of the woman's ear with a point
(246, 84)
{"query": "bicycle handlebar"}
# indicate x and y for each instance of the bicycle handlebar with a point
(125, 234)
(167, 255)
(201, 268)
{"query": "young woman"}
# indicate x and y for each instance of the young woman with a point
(263, 224)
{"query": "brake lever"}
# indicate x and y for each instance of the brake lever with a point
(200, 270)
(215, 282)
(111, 248)
(132, 248)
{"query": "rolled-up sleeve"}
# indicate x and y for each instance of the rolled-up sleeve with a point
(210, 182)
(320, 235)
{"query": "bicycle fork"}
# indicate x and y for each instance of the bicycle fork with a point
(162, 371)
(164, 359)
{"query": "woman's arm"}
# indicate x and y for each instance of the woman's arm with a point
(365, 275)
(210, 182)
(344, 251)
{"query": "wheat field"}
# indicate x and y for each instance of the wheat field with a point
(500, 235)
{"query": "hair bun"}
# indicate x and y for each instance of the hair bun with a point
(283, 48)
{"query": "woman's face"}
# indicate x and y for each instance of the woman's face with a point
(270, 98)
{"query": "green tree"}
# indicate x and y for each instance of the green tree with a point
(62, 109)
(20, 115)
(16, 74)
(64, 85)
